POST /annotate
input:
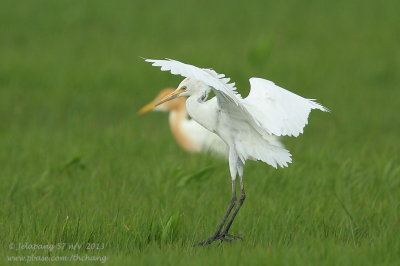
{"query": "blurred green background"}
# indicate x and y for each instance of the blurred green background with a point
(78, 165)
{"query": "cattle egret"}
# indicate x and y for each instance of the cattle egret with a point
(189, 134)
(244, 124)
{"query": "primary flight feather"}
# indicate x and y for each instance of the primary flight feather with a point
(244, 124)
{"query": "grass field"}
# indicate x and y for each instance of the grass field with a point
(78, 166)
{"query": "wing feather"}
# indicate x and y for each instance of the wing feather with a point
(217, 81)
(279, 111)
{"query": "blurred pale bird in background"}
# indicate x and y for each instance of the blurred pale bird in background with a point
(189, 135)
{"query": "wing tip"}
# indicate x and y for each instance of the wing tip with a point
(151, 61)
(319, 106)
(155, 60)
(324, 109)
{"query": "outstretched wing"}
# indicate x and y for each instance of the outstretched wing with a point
(228, 98)
(278, 111)
(217, 81)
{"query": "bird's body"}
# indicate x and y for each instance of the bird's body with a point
(247, 125)
(231, 125)
(190, 135)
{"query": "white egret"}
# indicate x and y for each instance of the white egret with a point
(244, 124)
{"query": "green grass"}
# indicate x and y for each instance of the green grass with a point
(78, 166)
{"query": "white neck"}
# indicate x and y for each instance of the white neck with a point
(203, 113)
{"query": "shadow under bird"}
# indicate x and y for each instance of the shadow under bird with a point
(244, 124)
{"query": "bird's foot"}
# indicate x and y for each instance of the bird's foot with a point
(222, 237)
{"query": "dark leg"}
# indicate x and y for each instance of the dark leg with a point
(241, 200)
(217, 234)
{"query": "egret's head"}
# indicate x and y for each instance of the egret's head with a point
(187, 87)
(164, 107)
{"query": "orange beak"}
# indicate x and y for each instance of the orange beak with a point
(147, 108)
(170, 97)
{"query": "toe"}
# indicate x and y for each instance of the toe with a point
(233, 236)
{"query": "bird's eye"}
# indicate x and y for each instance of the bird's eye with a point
(183, 88)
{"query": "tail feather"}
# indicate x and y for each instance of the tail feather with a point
(265, 151)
